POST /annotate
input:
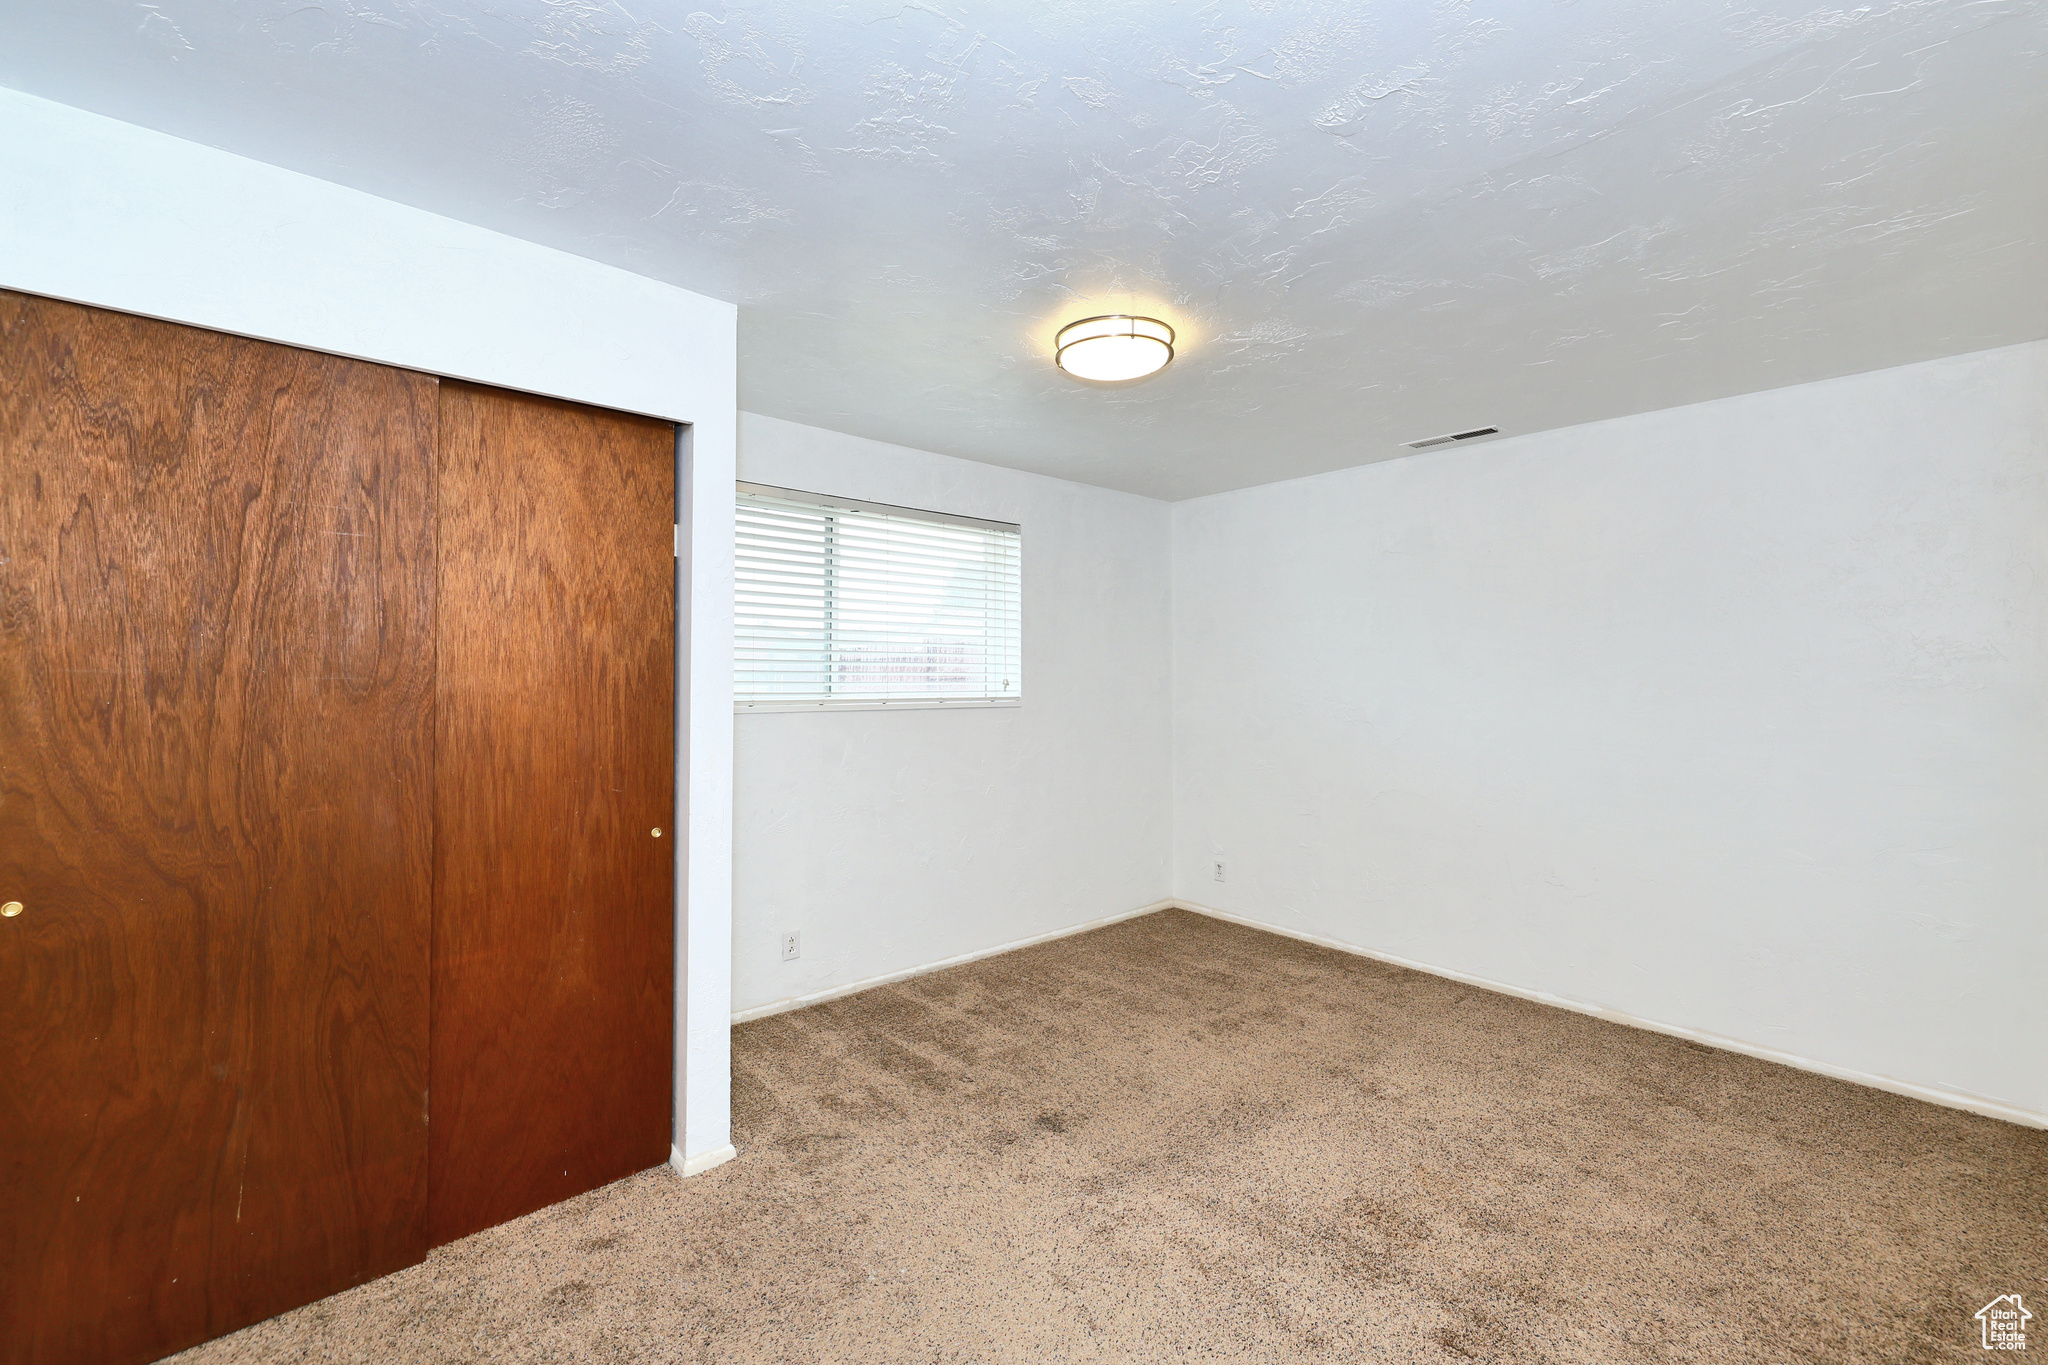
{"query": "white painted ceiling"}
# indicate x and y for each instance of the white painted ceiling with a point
(1370, 222)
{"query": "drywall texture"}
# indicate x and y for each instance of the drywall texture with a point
(1732, 717)
(104, 213)
(891, 840)
(1371, 222)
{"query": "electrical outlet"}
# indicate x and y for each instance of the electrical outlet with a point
(1219, 872)
(790, 947)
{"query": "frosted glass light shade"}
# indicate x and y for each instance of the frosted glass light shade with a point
(1114, 347)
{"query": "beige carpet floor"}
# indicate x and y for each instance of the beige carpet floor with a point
(1175, 1139)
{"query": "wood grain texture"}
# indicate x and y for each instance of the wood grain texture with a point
(216, 693)
(553, 915)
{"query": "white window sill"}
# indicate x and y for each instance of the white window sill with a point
(741, 708)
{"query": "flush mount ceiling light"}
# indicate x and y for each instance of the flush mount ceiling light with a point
(1116, 346)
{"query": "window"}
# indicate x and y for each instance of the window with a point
(845, 603)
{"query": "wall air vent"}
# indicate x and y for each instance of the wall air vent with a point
(1454, 436)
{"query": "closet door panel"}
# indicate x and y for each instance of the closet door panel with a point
(216, 767)
(553, 977)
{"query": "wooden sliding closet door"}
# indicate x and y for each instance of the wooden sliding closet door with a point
(216, 775)
(554, 948)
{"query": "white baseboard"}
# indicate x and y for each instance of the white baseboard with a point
(1954, 1099)
(702, 1162)
(797, 1002)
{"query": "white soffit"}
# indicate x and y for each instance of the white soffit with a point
(1367, 222)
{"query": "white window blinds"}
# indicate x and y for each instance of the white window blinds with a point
(845, 603)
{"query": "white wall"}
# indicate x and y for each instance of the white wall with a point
(1731, 717)
(892, 840)
(105, 213)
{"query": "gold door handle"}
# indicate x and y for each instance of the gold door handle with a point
(12, 908)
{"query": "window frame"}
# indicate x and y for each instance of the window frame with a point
(833, 503)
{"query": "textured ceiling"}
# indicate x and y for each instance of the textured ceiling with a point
(1370, 222)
